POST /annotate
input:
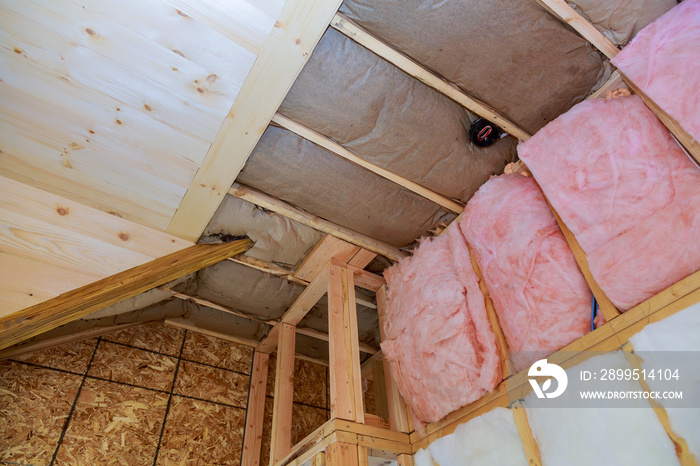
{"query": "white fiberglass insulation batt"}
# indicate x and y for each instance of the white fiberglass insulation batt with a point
(437, 335)
(541, 298)
(488, 440)
(678, 332)
(600, 436)
(664, 62)
(627, 192)
(277, 238)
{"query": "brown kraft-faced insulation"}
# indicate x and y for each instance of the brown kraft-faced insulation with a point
(511, 54)
(297, 171)
(391, 119)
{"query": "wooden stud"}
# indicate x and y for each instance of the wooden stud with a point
(568, 15)
(335, 148)
(685, 456)
(362, 259)
(342, 454)
(252, 438)
(80, 302)
(404, 460)
(296, 32)
(364, 38)
(346, 387)
(506, 367)
(362, 456)
(398, 415)
(319, 459)
(317, 260)
(281, 443)
(532, 450)
(309, 332)
(305, 218)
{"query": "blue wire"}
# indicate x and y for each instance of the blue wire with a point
(595, 305)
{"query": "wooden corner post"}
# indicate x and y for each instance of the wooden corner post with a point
(346, 389)
(281, 443)
(252, 440)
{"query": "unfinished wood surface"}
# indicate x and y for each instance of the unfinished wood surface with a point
(362, 259)
(281, 443)
(319, 459)
(305, 218)
(72, 305)
(268, 267)
(607, 308)
(364, 38)
(309, 332)
(506, 366)
(362, 456)
(51, 245)
(329, 247)
(614, 82)
(252, 440)
(332, 146)
(532, 450)
(186, 324)
(379, 387)
(685, 456)
(404, 460)
(364, 279)
(686, 140)
(568, 15)
(342, 454)
(345, 377)
(398, 415)
(228, 310)
(296, 33)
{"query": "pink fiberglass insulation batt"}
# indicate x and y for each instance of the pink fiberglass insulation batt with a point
(627, 192)
(541, 298)
(437, 336)
(664, 62)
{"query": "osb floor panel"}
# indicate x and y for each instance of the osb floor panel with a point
(130, 379)
(34, 406)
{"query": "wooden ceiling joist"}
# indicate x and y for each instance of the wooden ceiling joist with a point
(287, 210)
(564, 12)
(401, 61)
(295, 34)
(309, 332)
(332, 146)
(80, 302)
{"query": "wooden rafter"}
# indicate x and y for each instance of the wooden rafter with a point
(335, 148)
(296, 33)
(401, 61)
(287, 210)
(80, 302)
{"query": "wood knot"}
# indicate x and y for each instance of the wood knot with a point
(116, 214)
(18, 50)
(123, 236)
(147, 107)
(119, 122)
(90, 32)
(62, 211)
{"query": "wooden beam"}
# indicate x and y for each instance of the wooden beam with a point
(80, 302)
(326, 249)
(404, 460)
(532, 450)
(281, 443)
(364, 38)
(345, 377)
(255, 412)
(219, 307)
(564, 12)
(287, 210)
(294, 36)
(332, 146)
(685, 456)
(398, 415)
(34, 346)
(614, 82)
(268, 267)
(309, 332)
